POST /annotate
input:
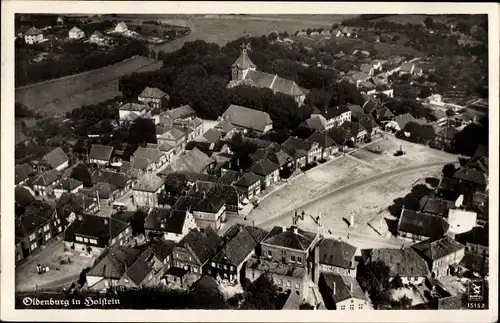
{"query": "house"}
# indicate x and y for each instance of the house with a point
(33, 36)
(174, 137)
(121, 181)
(435, 205)
(342, 292)
(154, 156)
(440, 115)
(347, 31)
(193, 252)
(268, 172)
(311, 147)
(97, 38)
(403, 262)
(316, 122)
(226, 128)
(146, 191)
(250, 184)
(406, 68)
(184, 112)
(399, 122)
(446, 137)
(121, 27)
(193, 161)
(193, 128)
(243, 70)
(56, 159)
(335, 116)
(371, 126)
(473, 177)
(22, 173)
(441, 254)
(476, 241)
(355, 131)
(212, 135)
(76, 33)
(207, 210)
(154, 97)
(131, 111)
(91, 234)
(418, 226)
(287, 255)
(227, 193)
(248, 119)
(45, 183)
(23, 198)
(100, 154)
(67, 185)
(111, 266)
(169, 224)
(32, 232)
(228, 264)
(326, 144)
(385, 115)
(336, 256)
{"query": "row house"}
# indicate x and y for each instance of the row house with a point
(326, 144)
(207, 210)
(267, 171)
(32, 232)
(169, 224)
(250, 184)
(174, 137)
(311, 147)
(335, 116)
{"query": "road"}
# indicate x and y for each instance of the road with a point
(270, 221)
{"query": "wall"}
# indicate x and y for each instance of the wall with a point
(477, 249)
(284, 283)
(63, 166)
(353, 304)
(337, 270)
(142, 198)
(413, 280)
(277, 254)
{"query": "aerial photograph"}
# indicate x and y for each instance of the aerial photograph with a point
(251, 161)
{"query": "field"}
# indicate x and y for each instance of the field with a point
(65, 94)
(414, 19)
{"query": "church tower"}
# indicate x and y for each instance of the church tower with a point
(242, 65)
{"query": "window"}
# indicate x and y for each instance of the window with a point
(195, 270)
(297, 285)
(77, 238)
(46, 227)
(213, 264)
(288, 283)
(225, 267)
(113, 241)
(93, 241)
(299, 260)
(33, 246)
(150, 277)
(342, 307)
(47, 236)
(165, 261)
(59, 229)
(360, 306)
(32, 237)
(86, 240)
(292, 258)
(351, 307)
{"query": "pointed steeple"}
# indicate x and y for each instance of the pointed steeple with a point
(244, 62)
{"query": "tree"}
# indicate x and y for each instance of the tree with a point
(404, 302)
(262, 294)
(137, 222)
(81, 173)
(396, 282)
(467, 140)
(142, 131)
(175, 184)
(449, 113)
(22, 111)
(429, 22)
(373, 278)
(449, 170)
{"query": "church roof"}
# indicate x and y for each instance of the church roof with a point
(243, 62)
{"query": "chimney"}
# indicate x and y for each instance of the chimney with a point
(283, 228)
(295, 230)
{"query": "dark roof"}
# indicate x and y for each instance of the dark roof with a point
(243, 62)
(353, 128)
(469, 174)
(336, 253)
(166, 220)
(479, 163)
(422, 224)
(193, 177)
(434, 249)
(257, 233)
(237, 248)
(162, 248)
(279, 158)
(478, 235)
(56, 157)
(247, 118)
(474, 262)
(278, 268)
(230, 176)
(181, 112)
(403, 119)
(101, 152)
(340, 286)
(404, 262)
(149, 183)
(264, 167)
(47, 178)
(322, 138)
(298, 143)
(203, 243)
(140, 269)
(447, 132)
(105, 190)
(434, 205)
(227, 193)
(211, 204)
(288, 238)
(69, 184)
(186, 203)
(117, 179)
(451, 303)
(193, 161)
(100, 228)
(316, 121)
(29, 223)
(385, 113)
(97, 34)
(368, 123)
(334, 112)
(113, 263)
(152, 92)
(23, 172)
(33, 31)
(212, 135)
(23, 197)
(247, 180)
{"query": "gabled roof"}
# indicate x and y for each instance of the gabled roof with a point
(56, 157)
(340, 285)
(317, 122)
(243, 62)
(33, 31)
(404, 262)
(279, 158)
(293, 238)
(225, 125)
(228, 193)
(469, 174)
(75, 29)
(437, 248)
(149, 182)
(368, 123)
(121, 25)
(403, 119)
(435, 206)
(154, 155)
(47, 178)
(247, 118)
(69, 184)
(173, 134)
(422, 224)
(202, 242)
(101, 152)
(322, 138)
(212, 135)
(113, 263)
(385, 114)
(132, 106)
(29, 223)
(192, 161)
(257, 233)
(140, 163)
(478, 235)
(236, 249)
(334, 112)
(406, 67)
(336, 253)
(105, 190)
(23, 197)
(152, 92)
(23, 172)
(97, 34)
(285, 86)
(261, 79)
(247, 180)
(166, 220)
(210, 204)
(118, 179)
(298, 143)
(230, 176)
(141, 268)
(181, 112)
(263, 167)
(353, 128)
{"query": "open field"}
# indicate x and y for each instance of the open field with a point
(414, 19)
(65, 94)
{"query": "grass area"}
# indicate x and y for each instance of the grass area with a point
(65, 94)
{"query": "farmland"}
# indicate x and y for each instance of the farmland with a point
(65, 94)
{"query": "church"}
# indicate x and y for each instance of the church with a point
(244, 71)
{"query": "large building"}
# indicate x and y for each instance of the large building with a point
(244, 69)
